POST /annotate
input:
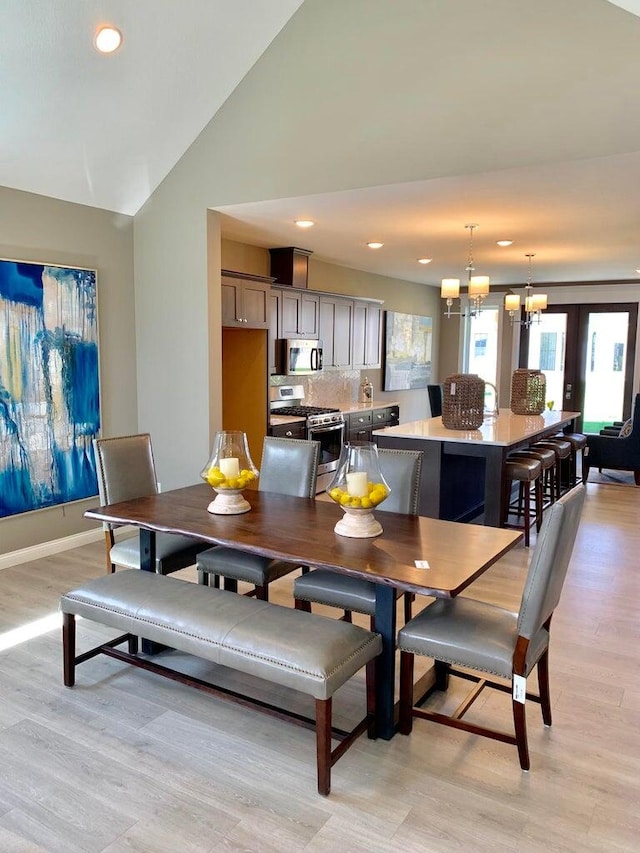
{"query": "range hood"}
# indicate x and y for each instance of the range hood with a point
(290, 266)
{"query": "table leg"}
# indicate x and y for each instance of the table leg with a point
(148, 564)
(385, 619)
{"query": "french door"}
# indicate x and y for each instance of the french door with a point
(587, 354)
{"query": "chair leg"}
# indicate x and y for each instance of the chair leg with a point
(347, 616)
(262, 593)
(69, 649)
(520, 725)
(133, 644)
(323, 744)
(406, 693)
(300, 604)
(371, 699)
(442, 671)
(543, 688)
(636, 477)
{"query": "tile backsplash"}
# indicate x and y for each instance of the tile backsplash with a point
(326, 388)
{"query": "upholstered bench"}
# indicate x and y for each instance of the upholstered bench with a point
(309, 653)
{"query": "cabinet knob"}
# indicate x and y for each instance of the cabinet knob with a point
(288, 433)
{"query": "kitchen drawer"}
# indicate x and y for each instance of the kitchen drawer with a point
(295, 430)
(357, 420)
(389, 416)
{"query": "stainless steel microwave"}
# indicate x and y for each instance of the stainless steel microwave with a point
(296, 356)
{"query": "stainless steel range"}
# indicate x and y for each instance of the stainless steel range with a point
(322, 423)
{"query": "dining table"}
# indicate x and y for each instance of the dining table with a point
(425, 556)
(463, 470)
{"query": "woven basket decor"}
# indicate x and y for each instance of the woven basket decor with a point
(463, 401)
(528, 391)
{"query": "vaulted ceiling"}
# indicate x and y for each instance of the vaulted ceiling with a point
(105, 130)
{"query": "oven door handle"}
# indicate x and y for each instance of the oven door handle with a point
(330, 428)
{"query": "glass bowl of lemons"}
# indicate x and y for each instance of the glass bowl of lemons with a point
(229, 471)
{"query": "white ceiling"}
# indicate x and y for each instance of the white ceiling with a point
(105, 131)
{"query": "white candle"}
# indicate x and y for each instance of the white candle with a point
(357, 484)
(229, 467)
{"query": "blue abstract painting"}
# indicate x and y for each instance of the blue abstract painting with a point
(49, 385)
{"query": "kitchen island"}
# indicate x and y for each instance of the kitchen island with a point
(462, 469)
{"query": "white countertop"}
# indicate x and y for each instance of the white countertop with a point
(506, 429)
(354, 408)
(275, 420)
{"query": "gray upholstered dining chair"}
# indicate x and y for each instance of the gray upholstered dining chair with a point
(401, 469)
(126, 470)
(483, 637)
(289, 466)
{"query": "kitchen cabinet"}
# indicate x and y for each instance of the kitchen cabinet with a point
(274, 328)
(293, 430)
(298, 314)
(335, 328)
(359, 426)
(367, 326)
(245, 300)
(389, 416)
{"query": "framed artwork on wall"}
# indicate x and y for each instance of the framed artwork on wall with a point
(407, 351)
(49, 385)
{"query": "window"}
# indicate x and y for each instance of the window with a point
(592, 355)
(548, 347)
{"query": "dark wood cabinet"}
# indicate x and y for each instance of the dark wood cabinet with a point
(389, 416)
(274, 327)
(335, 329)
(367, 325)
(293, 430)
(298, 314)
(359, 426)
(245, 300)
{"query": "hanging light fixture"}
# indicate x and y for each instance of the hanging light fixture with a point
(477, 285)
(534, 304)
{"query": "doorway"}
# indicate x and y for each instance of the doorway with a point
(587, 354)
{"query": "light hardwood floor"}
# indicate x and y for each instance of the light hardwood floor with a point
(129, 761)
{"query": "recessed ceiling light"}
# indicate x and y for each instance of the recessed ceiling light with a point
(375, 245)
(505, 242)
(108, 39)
(638, 271)
(424, 260)
(305, 223)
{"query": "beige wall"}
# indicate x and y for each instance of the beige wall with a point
(40, 229)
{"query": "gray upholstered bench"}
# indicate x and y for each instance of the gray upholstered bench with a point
(312, 654)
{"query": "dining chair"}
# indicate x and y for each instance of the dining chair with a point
(126, 470)
(401, 469)
(289, 466)
(483, 637)
(435, 400)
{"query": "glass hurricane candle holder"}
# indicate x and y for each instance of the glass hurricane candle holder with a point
(358, 487)
(229, 470)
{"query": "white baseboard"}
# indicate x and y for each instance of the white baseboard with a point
(55, 546)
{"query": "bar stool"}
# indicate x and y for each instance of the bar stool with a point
(547, 458)
(527, 472)
(562, 450)
(578, 443)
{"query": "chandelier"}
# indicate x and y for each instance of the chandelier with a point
(534, 304)
(477, 285)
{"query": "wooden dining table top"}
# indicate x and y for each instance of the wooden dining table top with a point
(301, 530)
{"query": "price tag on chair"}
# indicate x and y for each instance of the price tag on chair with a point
(519, 688)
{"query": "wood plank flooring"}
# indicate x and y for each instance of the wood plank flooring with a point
(127, 761)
